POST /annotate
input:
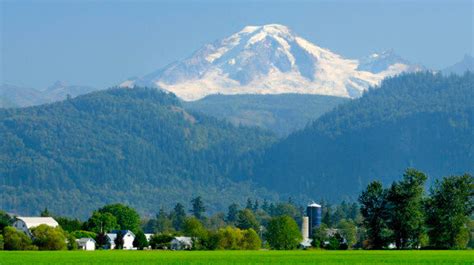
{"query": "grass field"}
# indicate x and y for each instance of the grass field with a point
(237, 257)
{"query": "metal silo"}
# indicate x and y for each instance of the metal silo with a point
(313, 211)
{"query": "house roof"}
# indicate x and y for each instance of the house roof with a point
(84, 240)
(113, 235)
(184, 239)
(36, 221)
(148, 236)
(306, 242)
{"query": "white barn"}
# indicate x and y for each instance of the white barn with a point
(127, 235)
(86, 243)
(25, 224)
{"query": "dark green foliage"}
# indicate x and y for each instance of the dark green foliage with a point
(45, 213)
(405, 207)
(373, 202)
(127, 217)
(177, 216)
(101, 240)
(198, 208)
(5, 220)
(69, 224)
(160, 241)
(136, 146)
(140, 241)
(119, 240)
(232, 213)
(320, 235)
(163, 224)
(448, 210)
(71, 242)
(246, 220)
(420, 120)
(101, 222)
(283, 233)
(281, 114)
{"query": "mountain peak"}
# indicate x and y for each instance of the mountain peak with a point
(270, 59)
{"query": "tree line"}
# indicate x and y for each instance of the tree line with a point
(401, 215)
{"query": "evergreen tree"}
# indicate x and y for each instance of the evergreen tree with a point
(255, 206)
(232, 213)
(246, 220)
(119, 240)
(265, 206)
(178, 215)
(101, 239)
(249, 204)
(163, 224)
(198, 208)
(140, 241)
(373, 202)
(45, 213)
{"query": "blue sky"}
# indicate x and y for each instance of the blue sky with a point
(101, 43)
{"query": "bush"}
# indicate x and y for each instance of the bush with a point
(49, 238)
(161, 241)
(83, 233)
(16, 240)
(1, 242)
(251, 240)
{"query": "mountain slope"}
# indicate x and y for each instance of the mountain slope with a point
(281, 114)
(15, 96)
(136, 146)
(419, 120)
(466, 64)
(269, 59)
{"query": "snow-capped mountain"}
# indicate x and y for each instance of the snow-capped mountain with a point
(270, 59)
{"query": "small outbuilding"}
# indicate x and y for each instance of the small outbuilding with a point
(86, 243)
(181, 243)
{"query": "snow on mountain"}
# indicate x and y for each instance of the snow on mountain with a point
(271, 59)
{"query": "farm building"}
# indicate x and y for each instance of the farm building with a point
(127, 236)
(181, 243)
(86, 243)
(25, 224)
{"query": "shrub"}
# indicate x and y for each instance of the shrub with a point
(49, 238)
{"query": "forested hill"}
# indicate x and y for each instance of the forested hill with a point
(281, 113)
(418, 120)
(135, 146)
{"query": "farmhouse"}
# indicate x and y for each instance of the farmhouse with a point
(25, 224)
(86, 243)
(181, 243)
(127, 236)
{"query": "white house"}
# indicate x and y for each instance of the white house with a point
(127, 235)
(181, 243)
(26, 223)
(86, 243)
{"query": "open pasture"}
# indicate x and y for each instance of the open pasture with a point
(237, 257)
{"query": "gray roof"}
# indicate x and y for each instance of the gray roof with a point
(84, 240)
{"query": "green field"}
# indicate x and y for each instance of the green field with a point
(237, 257)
